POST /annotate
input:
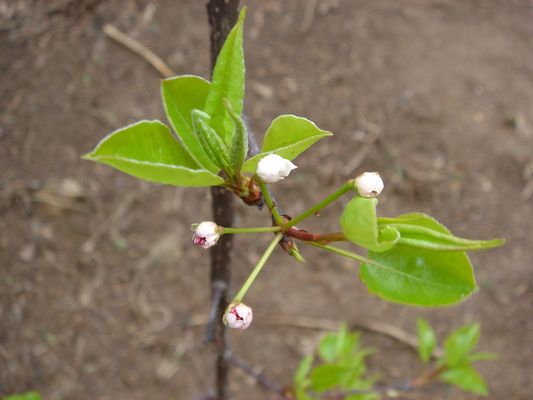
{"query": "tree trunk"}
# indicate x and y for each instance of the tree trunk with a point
(222, 16)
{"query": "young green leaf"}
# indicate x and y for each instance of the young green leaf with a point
(482, 356)
(460, 342)
(227, 82)
(336, 347)
(288, 136)
(147, 150)
(24, 396)
(467, 378)
(303, 370)
(181, 95)
(239, 145)
(342, 337)
(418, 230)
(426, 339)
(327, 376)
(359, 223)
(212, 144)
(327, 348)
(419, 277)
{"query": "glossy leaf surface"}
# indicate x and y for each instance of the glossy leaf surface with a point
(466, 378)
(422, 231)
(426, 339)
(181, 95)
(419, 277)
(288, 136)
(360, 225)
(460, 343)
(147, 150)
(227, 83)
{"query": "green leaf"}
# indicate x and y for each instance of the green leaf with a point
(147, 150)
(212, 144)
(227, 82)
(181, 95)
(24, 396)
(417, 230)
(467, 378)
(288, 136)
(355, 368)
(327, 376)
(419, 277)
(239, 145)
(327, 348)
(360, 225)
(426, 339)
(303, 369)
(482, 356)
(459, 343)
(338, 346)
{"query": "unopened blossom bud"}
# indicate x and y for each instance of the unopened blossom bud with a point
(274, 168)
(238, 316)
(369, 184)
(206, 234)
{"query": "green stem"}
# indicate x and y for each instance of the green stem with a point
(260, 229)
(317, 207)
(342, 252)
(270, 203)
(260, 264)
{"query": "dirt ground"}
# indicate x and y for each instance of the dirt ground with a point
(102, 295)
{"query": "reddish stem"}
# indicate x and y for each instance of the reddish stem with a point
(428, 376)
(322, 238)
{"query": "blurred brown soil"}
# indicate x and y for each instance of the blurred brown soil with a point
(102, 295)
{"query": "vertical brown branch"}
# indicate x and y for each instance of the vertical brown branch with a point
(222, 16)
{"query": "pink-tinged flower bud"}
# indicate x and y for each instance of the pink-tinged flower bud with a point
(238, 316)
(274, 168)
(369, 184)
(206, 234)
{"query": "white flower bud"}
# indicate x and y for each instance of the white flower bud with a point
(273, 168)
(369, 184)
(206, 234)
(238, 316)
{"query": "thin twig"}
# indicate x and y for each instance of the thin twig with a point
(391, 390)
(258, 376)
(370, 326)
(218, 289)
(148, 55)
(527, 174)
(309, 15)
(373, 133)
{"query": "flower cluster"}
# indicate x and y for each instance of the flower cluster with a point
(270, 169)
